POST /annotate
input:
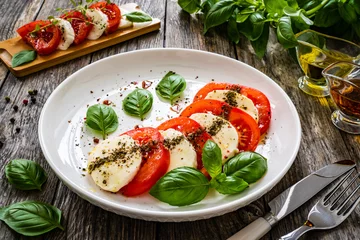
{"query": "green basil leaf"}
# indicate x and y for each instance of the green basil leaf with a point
(22, 57)
(356, 27)
(31, 218)
(240, 18)
(253, 27)
(248, 10)
(309, 5)
(328, 15)
(292, 3)
(212, 158)
(207, 5)
(138, 17)
(275, 7)
(181, 186)
(228, 184)
(190, 6)
(219, 13)
(102, 118)
(298, 18)
(260, 44)
(171, 86)
(356, 5)
(25, 174)
(249, 166)
(348, 13)
(138, 103)
(232, 30)
(285, 33)
(289, 11)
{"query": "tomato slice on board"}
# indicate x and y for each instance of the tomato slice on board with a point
(192, 131)
(113, 13)
(45, 40)
(259, 99)
(80, 23)
(245, 125)
(156, 160)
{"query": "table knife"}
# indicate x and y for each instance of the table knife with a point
(293, 198)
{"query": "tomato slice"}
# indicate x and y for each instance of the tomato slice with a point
(113, 13)
(192, 131)
(80, 23)
(245, 125)
(45, 40)
(259, 99)
(156, 160)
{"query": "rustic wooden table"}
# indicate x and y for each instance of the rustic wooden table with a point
(321, 142)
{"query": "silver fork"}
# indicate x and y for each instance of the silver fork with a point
(326, 214)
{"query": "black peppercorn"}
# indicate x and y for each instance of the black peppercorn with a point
(1, 144)
(33, 99)
(7, 99)
(17, 129)
(12, 120)
(16, 108)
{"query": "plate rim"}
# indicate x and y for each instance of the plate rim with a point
(175, 215)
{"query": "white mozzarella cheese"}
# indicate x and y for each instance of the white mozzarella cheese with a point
(100, 21)
(182, 153)
(113, 163)
(124, 23)
(67, 33)
(235, 99)
(222, 131)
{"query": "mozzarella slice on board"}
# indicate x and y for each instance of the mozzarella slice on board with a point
(100, 21)
(182, 153)
(67, 33)
(113, 163)
(127, 8)
(222, 131)
(236, 100)
(124, 23)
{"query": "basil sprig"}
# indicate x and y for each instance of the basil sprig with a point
(31, 218)
(22, 57)
(184, 185)
(138, 103)
(102, 118)
(138, 17)
(171, 86)
(25, 174)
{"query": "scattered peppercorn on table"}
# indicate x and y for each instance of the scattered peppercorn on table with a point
(21, 101)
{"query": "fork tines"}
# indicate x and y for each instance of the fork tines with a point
(336, 204)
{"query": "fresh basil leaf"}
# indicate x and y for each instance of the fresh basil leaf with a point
(25, 174)
(260, 44)
(138, 17)
(190, 6)
(285, 33)
(356, 27)
(181, 186)
(348, 13)
(102, 118)
(240, 18)
(207, 5)
(31, 218)
(289, 11)
(138, 103)
(356, 5)
(309, 5)
(171, 86)
(232, 30)
(275, 7)
(298, 18)
(212, 158)
(328, 15)
(292, 3)
(219, 13)
(253, 27)
(248, 10)
(22, 57)
(228, 184)
(249, 166)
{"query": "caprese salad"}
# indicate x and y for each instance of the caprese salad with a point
(212, 138)
(82, 22)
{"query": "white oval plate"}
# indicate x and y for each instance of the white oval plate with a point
(66, 142)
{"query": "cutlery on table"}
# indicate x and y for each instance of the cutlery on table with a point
(328, 214)
(293, 198)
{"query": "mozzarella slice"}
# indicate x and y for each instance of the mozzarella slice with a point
(124, 23)
(113, 163)
(182, 153)
(67, 33)
(235, 99)
(222, 131)
(100, 21)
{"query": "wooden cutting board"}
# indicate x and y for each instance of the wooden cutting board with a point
(14, 45)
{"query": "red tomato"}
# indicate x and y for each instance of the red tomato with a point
(80, 23)
(259, 99)
(113, 13)
(192, 131)
(156, 160)
(245, 125)
(45, 40)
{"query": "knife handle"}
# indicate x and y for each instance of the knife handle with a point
(253, 231)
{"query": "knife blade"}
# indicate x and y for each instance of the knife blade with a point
(294, 197)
